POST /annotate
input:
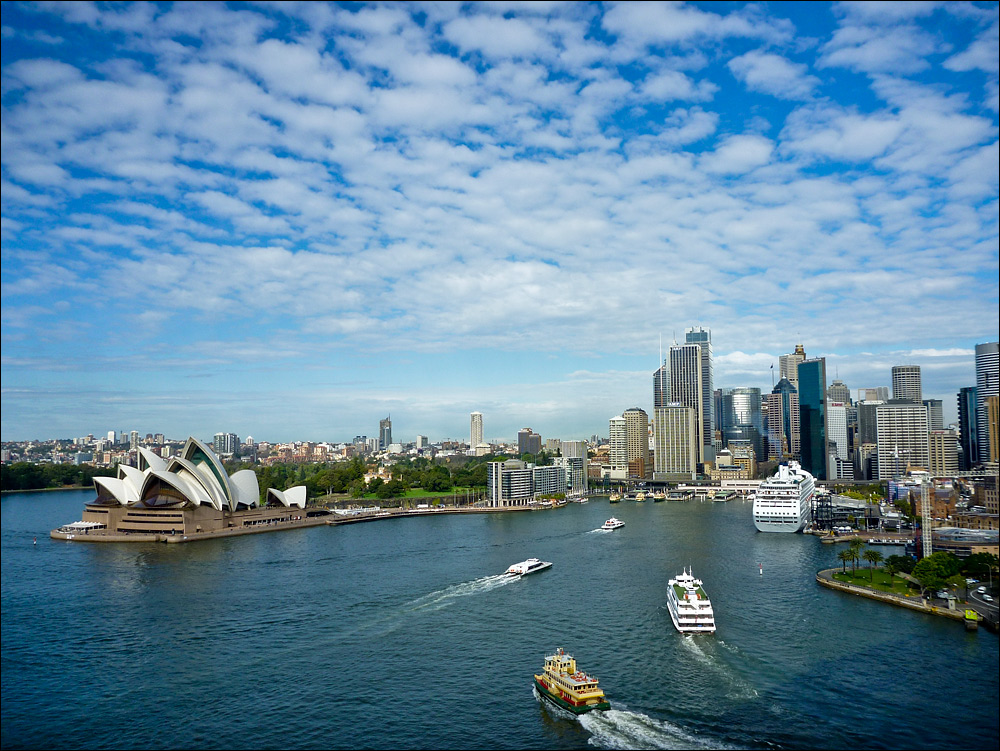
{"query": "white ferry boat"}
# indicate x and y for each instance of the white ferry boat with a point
(784, 501)
(613, 523)
(530, 566)
(689, 606)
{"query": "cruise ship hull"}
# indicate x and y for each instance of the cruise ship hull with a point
(791, 525)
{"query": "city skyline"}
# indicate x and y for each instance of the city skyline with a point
(292, 221)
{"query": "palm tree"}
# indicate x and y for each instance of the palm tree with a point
(874, 558)
(855, 551)
(891, 569)
(845, 556)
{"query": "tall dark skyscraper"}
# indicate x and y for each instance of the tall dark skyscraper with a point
(661, 385)
(968, 427)
(813, 427)
(384, 434)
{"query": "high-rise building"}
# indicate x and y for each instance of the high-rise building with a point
(877, 394)
(783, 427)
(225, 444)
(637, 438)
(661, 385)
(618, 445)
(968, 427)
(384, 434)
(528, 442)
(838, 392)
(935, 414)
(902, 437)
(943, 453)
(987, 377)
(741, 417)
(703, 338)
(686, 384)
(993, 427)
(676, 440)
(837, 423)
(788, 365)
(475, 430)
(813, 428)
(906, 383)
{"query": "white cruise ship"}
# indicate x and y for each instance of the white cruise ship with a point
(784, 501)
(689, 606)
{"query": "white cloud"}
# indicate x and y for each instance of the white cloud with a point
(773, 74)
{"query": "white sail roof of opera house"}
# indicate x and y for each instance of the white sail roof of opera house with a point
(194, 478)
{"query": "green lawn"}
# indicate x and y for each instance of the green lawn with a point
(881, 583)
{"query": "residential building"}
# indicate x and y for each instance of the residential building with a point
(813, 428)
(987, 383)
(517, 483)
(943, 452)
(968, 427)
(225, 444)
(475, 429)
(575, 468)
(637, 442)
(618, 447)
(676, 440)
(906, 383)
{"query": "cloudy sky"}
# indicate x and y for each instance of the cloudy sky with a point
(291, 220)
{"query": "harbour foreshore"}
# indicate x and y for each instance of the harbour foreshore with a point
(825, 579)
(330, 519)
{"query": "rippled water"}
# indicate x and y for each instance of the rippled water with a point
(401, 634)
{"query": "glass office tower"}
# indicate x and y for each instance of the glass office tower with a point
(813, 430)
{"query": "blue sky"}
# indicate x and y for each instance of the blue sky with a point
(290, 220)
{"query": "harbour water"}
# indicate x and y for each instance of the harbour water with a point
(401, 634)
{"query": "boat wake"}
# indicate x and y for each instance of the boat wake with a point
(619, 728)
(702, 651)
(445, 597)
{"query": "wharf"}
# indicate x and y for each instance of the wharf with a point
(880, 538)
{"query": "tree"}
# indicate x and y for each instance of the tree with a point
(855, 550)
(891, 568)
(980, 564)
(934, 571)
(845, 556)
(901, 563)
(874, 558)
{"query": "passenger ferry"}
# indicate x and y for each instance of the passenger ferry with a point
(615, 498)
(613, 523)
(530, 566)
(689, 606)
(659, 496)
(784, 501)
(568, 688)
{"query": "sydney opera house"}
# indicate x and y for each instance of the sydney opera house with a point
(189, 494)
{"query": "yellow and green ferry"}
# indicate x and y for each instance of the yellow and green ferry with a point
(568, 688)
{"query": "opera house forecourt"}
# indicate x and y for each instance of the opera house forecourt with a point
(185, 497)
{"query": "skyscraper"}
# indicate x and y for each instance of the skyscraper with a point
(475, 430)
(906, 383)
(637, 439)
(987, 377)
(935, 414)
(903, 438)
(528, 442)
(788, 365)
(968, 427)
(783, 420)
(703, 338)
(814, 430)
(661, 385)
(686, 384)
(676, 441)
(384, 434)
(838, 392)
(741, 417)
(618, 445)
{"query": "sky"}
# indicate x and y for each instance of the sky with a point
(290, 220)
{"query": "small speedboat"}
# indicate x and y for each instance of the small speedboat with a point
(530, 566)
(613, 523)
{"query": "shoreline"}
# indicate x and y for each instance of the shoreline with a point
(825, 579)
(331, 519)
